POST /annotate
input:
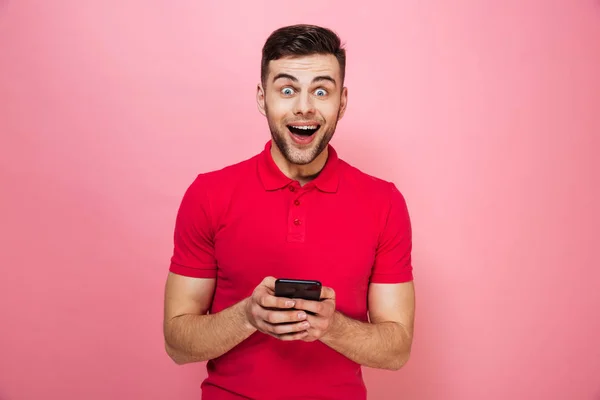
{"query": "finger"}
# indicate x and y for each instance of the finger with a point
(292, 336)
(313, 321)
(269, 282)
(270, 301)
(310, 338)
(281, 329)
(281, 317)
(327, 293)
(315, 324)
(315, 307)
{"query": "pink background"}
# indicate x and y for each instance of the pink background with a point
(485, 114)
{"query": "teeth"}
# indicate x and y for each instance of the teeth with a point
(305, 127)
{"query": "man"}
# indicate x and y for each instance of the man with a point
(295, 210)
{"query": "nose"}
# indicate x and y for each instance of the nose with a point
(304, 104)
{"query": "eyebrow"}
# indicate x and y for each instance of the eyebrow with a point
(294, 79)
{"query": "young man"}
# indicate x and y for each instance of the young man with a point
(295, 210)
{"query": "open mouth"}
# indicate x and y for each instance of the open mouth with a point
(306, 131)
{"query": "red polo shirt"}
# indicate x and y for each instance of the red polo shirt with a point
(248, 221)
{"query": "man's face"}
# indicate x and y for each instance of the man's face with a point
(303, 99)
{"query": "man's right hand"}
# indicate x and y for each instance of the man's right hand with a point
(273, 315)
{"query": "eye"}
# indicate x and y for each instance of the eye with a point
(287, 91)
(321, 92)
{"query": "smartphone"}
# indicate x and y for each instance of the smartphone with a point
(298, 289)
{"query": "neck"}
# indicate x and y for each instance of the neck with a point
(301, 173)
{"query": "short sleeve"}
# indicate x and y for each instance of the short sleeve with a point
(393, 262)
(193, 247)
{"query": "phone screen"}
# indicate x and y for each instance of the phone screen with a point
(298, 289)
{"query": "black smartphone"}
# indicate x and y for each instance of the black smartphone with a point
(298, 289)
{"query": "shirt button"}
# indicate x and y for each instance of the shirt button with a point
(297, 202)
(296, 221)
(291, 188)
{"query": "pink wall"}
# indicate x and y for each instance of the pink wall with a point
(486, 115)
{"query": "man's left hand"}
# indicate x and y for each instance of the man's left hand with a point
(323, 312)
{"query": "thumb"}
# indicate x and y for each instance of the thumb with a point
(327, 293)
(269, 282)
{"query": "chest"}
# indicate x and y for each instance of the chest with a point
(299, 235)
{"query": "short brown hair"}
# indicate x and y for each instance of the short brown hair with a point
(301, 40)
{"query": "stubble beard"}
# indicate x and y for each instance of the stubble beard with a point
(296, 155)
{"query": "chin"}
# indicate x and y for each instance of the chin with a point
(300, 150)
(300, 156)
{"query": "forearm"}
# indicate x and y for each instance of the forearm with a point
(195, 338)
(384, 345)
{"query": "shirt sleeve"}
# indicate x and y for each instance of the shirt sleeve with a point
(193, 250)
(393, 262)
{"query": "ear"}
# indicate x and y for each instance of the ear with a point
(260, 99)
(343, 102)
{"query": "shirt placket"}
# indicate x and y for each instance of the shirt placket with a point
(297, 213)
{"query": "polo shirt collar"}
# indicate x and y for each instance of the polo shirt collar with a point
(273, 179)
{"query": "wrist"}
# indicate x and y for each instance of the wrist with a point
(243, 316)
(335, 328)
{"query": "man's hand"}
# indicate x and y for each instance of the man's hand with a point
(321, 314)
(273, 315)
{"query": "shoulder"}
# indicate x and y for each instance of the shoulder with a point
(388, 205)
(212, 190)
(357, 180)
(383, 197)
(224, 179)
